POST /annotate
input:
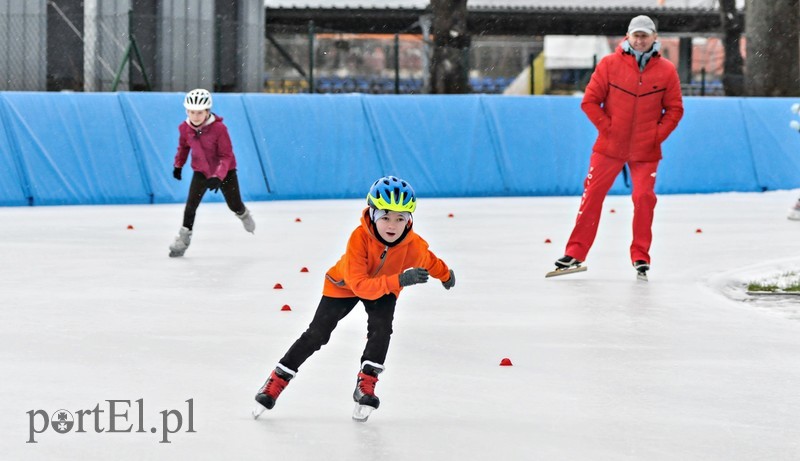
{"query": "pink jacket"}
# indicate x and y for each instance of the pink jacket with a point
(212, 152)
(633, 111)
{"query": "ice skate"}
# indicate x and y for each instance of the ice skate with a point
(272, 388)
(566, 265)
(181, 243)
(247, 221)
(641, 267)
(364, 395)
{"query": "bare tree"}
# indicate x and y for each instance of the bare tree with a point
(450, 47)
(773, 50)
(733, 67)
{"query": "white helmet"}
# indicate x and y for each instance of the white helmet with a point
(198, 99)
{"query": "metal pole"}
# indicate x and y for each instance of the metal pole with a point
(217, 52)
(396, 63)
(703, 81)
(311, 57)
(425, 23)
(531, 77)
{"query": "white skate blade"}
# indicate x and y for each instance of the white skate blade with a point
(570, 270)
(176, 254)
(258, 410)
(362, 412)
(642, 277)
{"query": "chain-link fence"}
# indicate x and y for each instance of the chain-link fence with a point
(383, 63)
(62, 46)
(22, 66)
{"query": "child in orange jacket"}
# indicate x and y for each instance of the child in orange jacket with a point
(373, 271)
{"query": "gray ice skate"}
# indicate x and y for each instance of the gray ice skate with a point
(247, 221)
(181, 243)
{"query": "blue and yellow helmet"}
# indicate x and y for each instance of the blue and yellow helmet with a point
(392, 194)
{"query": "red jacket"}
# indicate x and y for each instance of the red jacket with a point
(369, 269)
(212, 152)
(633, 111)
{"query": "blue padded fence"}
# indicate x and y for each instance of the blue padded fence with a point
(115, 148)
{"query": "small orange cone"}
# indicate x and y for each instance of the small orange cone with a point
(130, 226)
(304, 269)
(506, 362)
(286, 307)
(698, 231)
(298, 220)
(547, 241)
(278, 286)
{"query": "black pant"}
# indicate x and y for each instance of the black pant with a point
(230, 190)
(380, 314)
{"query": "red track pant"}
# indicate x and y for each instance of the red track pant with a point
(602, 172)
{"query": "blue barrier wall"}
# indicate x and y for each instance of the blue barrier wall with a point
(108, 148)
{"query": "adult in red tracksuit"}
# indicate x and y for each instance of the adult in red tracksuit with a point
(634, 100)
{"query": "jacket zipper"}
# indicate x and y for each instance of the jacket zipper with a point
(635, 104)
(383, 260)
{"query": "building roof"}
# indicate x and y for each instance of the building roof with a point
(480, 4)
(496, 20)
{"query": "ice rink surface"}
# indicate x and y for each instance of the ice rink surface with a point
(605, 367)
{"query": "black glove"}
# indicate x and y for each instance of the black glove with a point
(413, 276)
(214, 184)
(176, 173)
(451, 282)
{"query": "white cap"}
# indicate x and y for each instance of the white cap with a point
(642, 24)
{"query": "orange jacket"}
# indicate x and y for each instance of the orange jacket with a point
(633, 111)
(369, 269)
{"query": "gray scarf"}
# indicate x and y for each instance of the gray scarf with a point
(641, 57)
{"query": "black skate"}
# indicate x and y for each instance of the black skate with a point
(364, 395)
(641, 267)
(272, 388)
(566, 265)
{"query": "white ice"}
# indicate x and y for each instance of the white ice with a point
(605, 367)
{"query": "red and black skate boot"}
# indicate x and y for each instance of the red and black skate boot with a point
(364, 395)
(272, 388)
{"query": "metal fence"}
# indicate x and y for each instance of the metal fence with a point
(63, 47)
(325, 61)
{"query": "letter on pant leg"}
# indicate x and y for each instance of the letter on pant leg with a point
(602, 173)
(643, 177)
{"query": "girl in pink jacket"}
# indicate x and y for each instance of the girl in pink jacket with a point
(213, 162)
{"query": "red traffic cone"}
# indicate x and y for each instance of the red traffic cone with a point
(450, 215)
(506, 362)
(130, 226)
(613, 210)
(547, 241)
(698, 231)
(286, 307)
(278, 286)
(298, 220)
(304, 269)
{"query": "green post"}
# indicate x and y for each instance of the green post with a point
(127, 57)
